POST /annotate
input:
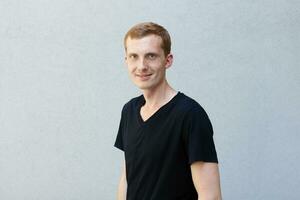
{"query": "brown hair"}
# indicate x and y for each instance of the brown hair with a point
(147, 28)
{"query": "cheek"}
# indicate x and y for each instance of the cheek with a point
(130, 68)
(131, 74)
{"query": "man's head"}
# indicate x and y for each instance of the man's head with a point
(147, 49)
(149, 28)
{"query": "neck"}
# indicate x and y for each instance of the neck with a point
(155, 97)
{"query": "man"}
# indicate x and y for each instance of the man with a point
(166, 136)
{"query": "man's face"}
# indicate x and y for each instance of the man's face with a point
(146, 61)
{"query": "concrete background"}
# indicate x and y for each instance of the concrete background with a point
(63, 83)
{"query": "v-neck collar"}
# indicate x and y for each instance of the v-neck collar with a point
(142, 102)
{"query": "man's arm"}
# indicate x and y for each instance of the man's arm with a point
(122, 189)
(206, 180)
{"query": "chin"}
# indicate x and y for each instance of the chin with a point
(144, 86)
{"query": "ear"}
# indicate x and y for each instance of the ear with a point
(125, 60)
(169, 60)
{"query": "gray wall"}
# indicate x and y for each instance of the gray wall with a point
(63, 83)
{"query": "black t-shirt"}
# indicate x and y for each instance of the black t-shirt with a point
(159, 151)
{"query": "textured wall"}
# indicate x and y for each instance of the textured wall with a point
(63, 83)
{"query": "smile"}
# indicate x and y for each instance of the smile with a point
(143, 77)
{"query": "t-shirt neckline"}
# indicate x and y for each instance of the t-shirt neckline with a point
(142, 102)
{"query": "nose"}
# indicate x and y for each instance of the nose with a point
(142, 65)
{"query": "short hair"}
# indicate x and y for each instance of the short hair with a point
(147, 28)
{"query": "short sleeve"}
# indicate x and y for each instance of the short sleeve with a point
(198, 136)
(119, 142)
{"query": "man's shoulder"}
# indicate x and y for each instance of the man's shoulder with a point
(132, 103)
(188, 105)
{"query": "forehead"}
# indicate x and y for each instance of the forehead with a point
(148, 43)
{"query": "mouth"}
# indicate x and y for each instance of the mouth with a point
(143, 75)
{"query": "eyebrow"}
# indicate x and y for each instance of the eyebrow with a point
(132, 54)
(151, 53)
(147, 54)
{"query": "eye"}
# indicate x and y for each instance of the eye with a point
(151, 56)
(132, 56)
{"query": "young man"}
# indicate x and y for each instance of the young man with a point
(166, 136)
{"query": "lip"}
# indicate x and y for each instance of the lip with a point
(143, 77)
